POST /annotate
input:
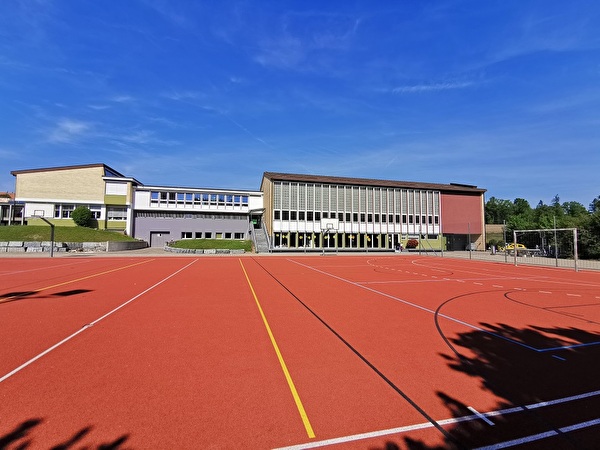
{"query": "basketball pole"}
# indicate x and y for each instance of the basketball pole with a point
(51, 233)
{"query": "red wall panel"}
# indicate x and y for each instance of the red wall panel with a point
(462, 213)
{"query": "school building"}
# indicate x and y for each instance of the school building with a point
(288, 212)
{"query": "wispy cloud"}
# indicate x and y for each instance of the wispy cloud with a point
(432, 87)
(68, 130)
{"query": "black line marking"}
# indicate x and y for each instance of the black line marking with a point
(368, 363)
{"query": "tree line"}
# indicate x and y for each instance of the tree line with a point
(519, 215)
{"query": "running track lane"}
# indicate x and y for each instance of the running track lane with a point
(187, 364)
(48, 305)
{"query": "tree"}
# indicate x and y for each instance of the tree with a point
(82, 216)
(595, 205)
(497, 210)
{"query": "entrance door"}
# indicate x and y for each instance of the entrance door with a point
(159, 238)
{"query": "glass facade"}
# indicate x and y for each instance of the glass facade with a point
(365, 216)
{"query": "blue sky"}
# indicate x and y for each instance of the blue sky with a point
(501, 94)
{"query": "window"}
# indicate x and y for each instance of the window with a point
(219, 235)
(227, 235)
(186, 235)
(66, 211)
(347, 217)
(285, 215)
(301, 215)
(276, 214)
(309, 216)
(96, 211)
(238, 235)
(293, 215)
(116, 213)
(208, 235)
(198, 235)
(116, 188)
(354, 217)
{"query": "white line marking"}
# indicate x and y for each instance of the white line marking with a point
(481, 416)
(420, 426)
(537, 437)
(85, 327)
(573, 295)
(545, 292)
(478, 284)
(497, 286)
(559, 357)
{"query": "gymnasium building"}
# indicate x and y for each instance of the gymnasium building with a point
(289, 211)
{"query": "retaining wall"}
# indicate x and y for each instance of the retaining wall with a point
(46, 246)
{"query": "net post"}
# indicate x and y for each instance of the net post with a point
(575, 248)
(515, 245)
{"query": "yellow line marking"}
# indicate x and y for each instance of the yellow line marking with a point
(288, 377)
(77, 279)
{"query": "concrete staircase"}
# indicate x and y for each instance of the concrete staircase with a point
(260, 240)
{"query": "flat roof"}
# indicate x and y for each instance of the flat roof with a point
(109, 171)
(452, 187)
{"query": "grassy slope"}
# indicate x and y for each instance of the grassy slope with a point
(81, 234)
(61, 234)
(213, 243)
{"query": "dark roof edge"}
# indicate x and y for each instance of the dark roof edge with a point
(453, 187)
(82, 166)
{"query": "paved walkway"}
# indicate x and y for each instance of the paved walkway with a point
(478, 256)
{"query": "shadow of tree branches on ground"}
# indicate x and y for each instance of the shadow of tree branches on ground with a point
(21, 438)
(524, 367)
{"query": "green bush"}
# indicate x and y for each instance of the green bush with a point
(82, 216)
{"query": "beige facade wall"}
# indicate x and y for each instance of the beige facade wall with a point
(78, 184)
(267, 188)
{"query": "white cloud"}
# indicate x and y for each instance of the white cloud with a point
(68, 130)
(430, 87)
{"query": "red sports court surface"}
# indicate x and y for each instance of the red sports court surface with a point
(365, 352)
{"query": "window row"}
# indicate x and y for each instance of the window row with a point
(197, 198)
(209, 235)
(65, 211)
(316, 216)
(182, 215)
(369, 199)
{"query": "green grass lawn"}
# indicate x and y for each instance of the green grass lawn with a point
(61, 234)
(82, 234)
(213, 243)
